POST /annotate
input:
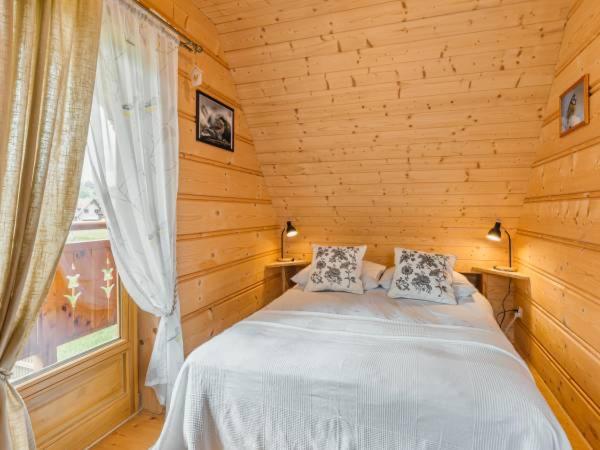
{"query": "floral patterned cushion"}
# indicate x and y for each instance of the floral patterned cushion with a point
(423, 276)
(336, 269)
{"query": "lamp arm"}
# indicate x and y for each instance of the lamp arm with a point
(282, 233)
(509, 248)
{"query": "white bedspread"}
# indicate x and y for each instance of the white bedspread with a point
(324, 370)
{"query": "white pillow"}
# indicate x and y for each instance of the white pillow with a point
(423, 276)
(462, 286)
(301, 278)
(370, 275)
(386, 279)
(336, 269)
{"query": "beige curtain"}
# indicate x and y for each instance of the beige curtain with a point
(48, 52)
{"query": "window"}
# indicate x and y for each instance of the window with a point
(81, 311)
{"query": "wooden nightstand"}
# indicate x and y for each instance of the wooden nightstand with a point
(283, 265)
(501, 302)
(487, 271)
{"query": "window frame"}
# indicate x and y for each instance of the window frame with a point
(127, 331)
(122, 317)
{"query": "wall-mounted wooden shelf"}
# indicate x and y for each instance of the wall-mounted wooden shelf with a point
(501, 273)
(294, 263)
(283, 265)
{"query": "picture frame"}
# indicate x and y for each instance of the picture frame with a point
(215, 122)
(574, 106)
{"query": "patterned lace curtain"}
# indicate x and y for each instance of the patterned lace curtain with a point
(133, 144)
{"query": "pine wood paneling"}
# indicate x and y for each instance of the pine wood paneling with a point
(558, 244)
(108, 384)
(369, 19)
(394, 113)
(216, 285)
(572, 218)
(195, 217)
(199, 254)
(570, 174)
(204, 323)
(440, 150)
(571, 397)
(227, 227)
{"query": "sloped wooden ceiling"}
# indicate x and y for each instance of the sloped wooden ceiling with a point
(403, 122)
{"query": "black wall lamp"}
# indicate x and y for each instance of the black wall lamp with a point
(495, 234)
(289, 231)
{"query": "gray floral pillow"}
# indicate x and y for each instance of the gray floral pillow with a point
(336, 269)
(423, 276)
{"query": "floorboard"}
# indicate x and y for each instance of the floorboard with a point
(139, 433)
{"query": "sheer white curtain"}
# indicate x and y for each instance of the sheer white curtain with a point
(133, 148)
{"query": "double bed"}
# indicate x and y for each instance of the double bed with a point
(334, 370)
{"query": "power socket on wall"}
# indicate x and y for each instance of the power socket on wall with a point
(519, 313)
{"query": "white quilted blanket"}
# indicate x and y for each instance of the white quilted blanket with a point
(344, 371)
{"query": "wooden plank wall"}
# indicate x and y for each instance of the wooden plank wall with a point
(394, 122)
(227, 228)
(559, 239)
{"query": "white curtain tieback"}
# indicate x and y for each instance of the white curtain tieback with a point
(171, 311)
(175, 301)
(5, 375)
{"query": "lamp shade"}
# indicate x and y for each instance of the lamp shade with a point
(495, 234)
(290, 230)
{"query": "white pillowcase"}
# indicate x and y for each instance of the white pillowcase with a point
(301, 278)
(386, 279)
(370, 275)
(423, 276)
(336, 268)
(460, 284)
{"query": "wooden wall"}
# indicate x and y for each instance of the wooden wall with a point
(558, 244)
(227, 228)
(394, 122)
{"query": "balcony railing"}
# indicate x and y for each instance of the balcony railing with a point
(81, 308)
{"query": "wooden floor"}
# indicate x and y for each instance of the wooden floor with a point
(137, 434)
(575, 437)
(143, 430)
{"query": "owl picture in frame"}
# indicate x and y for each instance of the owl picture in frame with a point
(574, 106)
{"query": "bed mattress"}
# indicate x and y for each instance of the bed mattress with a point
(332, 370)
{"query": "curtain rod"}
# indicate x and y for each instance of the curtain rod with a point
(185, 41)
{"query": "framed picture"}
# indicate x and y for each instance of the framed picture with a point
(574, 107)
(214, 122)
